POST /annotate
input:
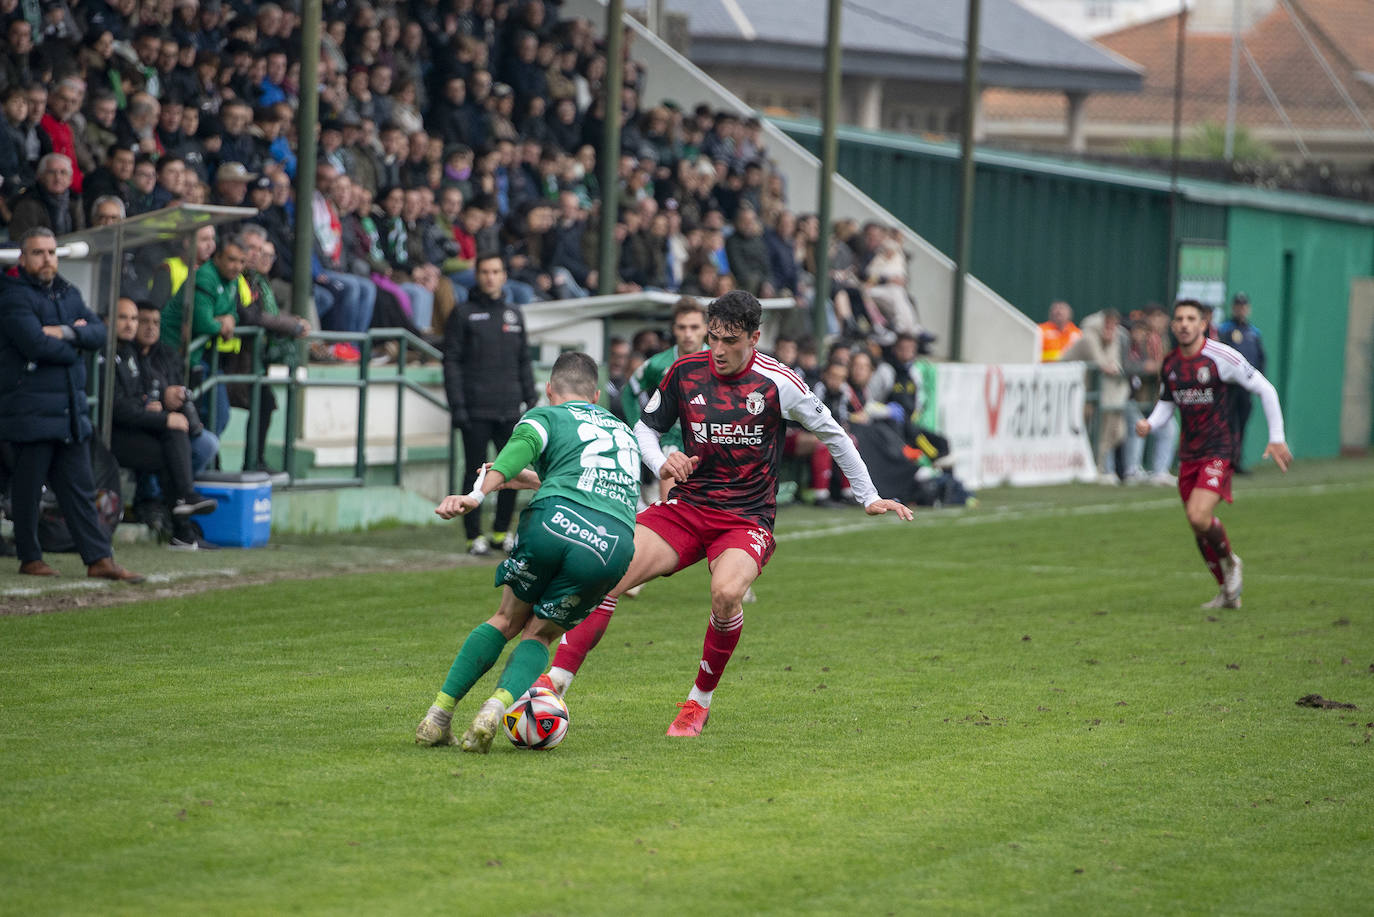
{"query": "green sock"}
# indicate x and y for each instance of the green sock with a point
(480, 651)
(526, 662)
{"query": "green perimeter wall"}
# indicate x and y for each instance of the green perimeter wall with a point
(1297, 270)
(1047, 229)
(1038, 237)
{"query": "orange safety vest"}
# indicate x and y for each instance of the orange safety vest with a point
(1053, 341)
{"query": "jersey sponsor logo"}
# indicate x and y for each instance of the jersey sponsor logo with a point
(479, 316)
(728, 434)
(753, 403)
(570, 525)
(1204, 375)
(1194, 396)
(654, 402)
(699, 399)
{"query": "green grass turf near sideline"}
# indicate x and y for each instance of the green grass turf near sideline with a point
(1020, 708)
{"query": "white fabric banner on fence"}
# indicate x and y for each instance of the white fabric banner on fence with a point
(1018, 424)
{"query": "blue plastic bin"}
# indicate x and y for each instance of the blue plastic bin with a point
(243, 518)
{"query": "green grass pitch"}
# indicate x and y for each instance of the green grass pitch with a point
(1017, 708)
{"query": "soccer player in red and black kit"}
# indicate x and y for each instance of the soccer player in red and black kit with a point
(732, 405)
(1200, 376)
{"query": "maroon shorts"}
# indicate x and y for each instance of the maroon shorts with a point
(1212, 474)
(695, 532)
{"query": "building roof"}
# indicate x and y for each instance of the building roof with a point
(1341, 30)
(919, 40)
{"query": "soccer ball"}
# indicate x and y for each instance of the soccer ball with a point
(538, 720)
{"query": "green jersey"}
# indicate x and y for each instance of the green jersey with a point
(641, 387)
(581, 452)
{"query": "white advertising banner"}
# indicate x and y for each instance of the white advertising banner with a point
(1018, 424)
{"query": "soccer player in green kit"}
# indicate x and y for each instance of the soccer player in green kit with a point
(689, 335)
(575, 541)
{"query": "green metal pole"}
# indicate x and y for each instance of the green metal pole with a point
(302, 280)
(963, 236)
(610, 143)
(829, 153)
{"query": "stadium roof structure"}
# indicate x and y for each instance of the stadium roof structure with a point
(921, 40)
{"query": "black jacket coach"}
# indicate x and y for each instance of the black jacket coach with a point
(487, 370)
(43, 379)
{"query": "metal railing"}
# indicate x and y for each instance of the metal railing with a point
(256, 340)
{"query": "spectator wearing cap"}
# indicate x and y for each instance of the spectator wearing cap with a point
(50, 203)
(1237, 332)
(209, 36)
(231, 184)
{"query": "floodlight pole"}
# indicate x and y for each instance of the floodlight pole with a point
(829, 154)
(1180, 45)
(963, 235)
(610, 144)
(308, 115)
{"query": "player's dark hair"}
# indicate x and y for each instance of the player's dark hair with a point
(736, 310)
(1191, 303)
(575, 373)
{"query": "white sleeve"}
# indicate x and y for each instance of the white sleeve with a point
(649, 449)
(1236, 370)
(800, 404)
(1164, 409)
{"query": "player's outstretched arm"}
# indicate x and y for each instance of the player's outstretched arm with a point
(525, 480)
(882, 507)
(1280, 454)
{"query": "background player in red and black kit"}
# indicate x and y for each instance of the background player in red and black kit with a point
(732, 405)
(1200, 376)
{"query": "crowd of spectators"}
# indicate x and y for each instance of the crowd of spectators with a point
(1124, 354)
(445, 128)
(448, 129)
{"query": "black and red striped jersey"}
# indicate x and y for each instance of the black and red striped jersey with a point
(737, 426)
(1204, 388)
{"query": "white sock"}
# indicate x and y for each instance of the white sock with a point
(700, 696)
(561, 679)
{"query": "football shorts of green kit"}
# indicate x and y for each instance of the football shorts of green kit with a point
(566, 558)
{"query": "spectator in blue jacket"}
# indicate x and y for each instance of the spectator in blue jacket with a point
(44, 329)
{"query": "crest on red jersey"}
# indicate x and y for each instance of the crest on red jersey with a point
(753, 403)
(1204, 375)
